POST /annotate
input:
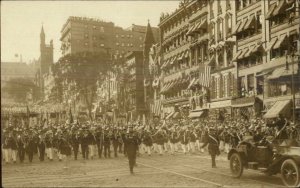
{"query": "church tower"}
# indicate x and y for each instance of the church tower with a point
(46, 53)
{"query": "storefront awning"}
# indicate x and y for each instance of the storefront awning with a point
(203, 24)
(176, 115)
(237, 55)
(196, 114)
(166, 62)
(280, 41)
(249, 51)
(190, 31)
(271, 44)
(241, 28)
(257, 47)
(279, 72)
(191, 83)
(237, 27)
(250, 23)
(279, 8)
(271, 10)
(180, 56)
(186, 55)
(277, 108)
(245, 50)
(170, 115)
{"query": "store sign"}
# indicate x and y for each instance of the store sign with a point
(220, 104)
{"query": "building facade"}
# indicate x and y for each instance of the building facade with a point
(87, 34)
(134, 88)
(241, 58)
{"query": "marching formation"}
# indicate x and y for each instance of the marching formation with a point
(94, 140)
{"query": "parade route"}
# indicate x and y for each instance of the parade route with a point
(152, 171)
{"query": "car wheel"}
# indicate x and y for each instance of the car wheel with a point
(290, 173)
(236, 165)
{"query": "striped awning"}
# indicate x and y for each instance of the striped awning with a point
(196, 114)
(170, 115)
(238, 25)
(271, 44)
(280, 41)
(277, 109)
(237, 55)
(191, 83)
(271, 10)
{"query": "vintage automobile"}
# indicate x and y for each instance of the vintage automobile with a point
(270, 156)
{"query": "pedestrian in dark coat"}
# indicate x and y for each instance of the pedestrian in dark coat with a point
(84, 142)
(75, 140)
(30, 146)
(21, 147)
(41, 146)
(132, 146)
(213, 145)
(106, 143)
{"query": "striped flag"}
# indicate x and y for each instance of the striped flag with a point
(204, 76)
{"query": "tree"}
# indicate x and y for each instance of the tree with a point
(81, 71)
(19, 88)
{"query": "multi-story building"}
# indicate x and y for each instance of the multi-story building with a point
(134, 89)
(184, 55)
(87, 34)
(221, 19)
(267, 33)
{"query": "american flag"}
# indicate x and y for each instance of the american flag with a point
(204, 76)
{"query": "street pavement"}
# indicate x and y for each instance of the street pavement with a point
(180, 170)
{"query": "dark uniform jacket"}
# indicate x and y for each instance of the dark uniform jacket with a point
(213, 144)
(131, 143)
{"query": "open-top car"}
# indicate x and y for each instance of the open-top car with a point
(270, 156)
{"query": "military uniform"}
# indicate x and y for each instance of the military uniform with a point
(213, 145)
(131, 147)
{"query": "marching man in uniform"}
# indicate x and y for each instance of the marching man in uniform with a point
(213, 145)
(131, 147)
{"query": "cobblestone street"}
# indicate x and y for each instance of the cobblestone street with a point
(152, 171)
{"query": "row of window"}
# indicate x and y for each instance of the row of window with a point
(101, 28)
(182, 19)
(241, 4)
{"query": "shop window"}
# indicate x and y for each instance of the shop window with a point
(229, 56)
(220, 59)
(242, 86)
(250, 84)
(259, 85)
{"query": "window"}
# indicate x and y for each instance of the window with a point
(117, 36)
(128, 44)
(229, 24)
(94, 27)
(141, 38)
(220, 59)
(117, 44)
(219, 7)
(86, 44)
(94, 37)
(122, 36)
(86, 35)
(131, 44)
(220, 29)
(102, 45)
(128, 36)
(258, 25)
(122, 44)
(86, 26)
(141, 46)
(102, 29)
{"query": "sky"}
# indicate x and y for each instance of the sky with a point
(21, 21)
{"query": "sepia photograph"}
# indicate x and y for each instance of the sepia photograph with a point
(150, 93)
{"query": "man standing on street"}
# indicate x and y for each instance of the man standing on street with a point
(213, 145)
(131, 147)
